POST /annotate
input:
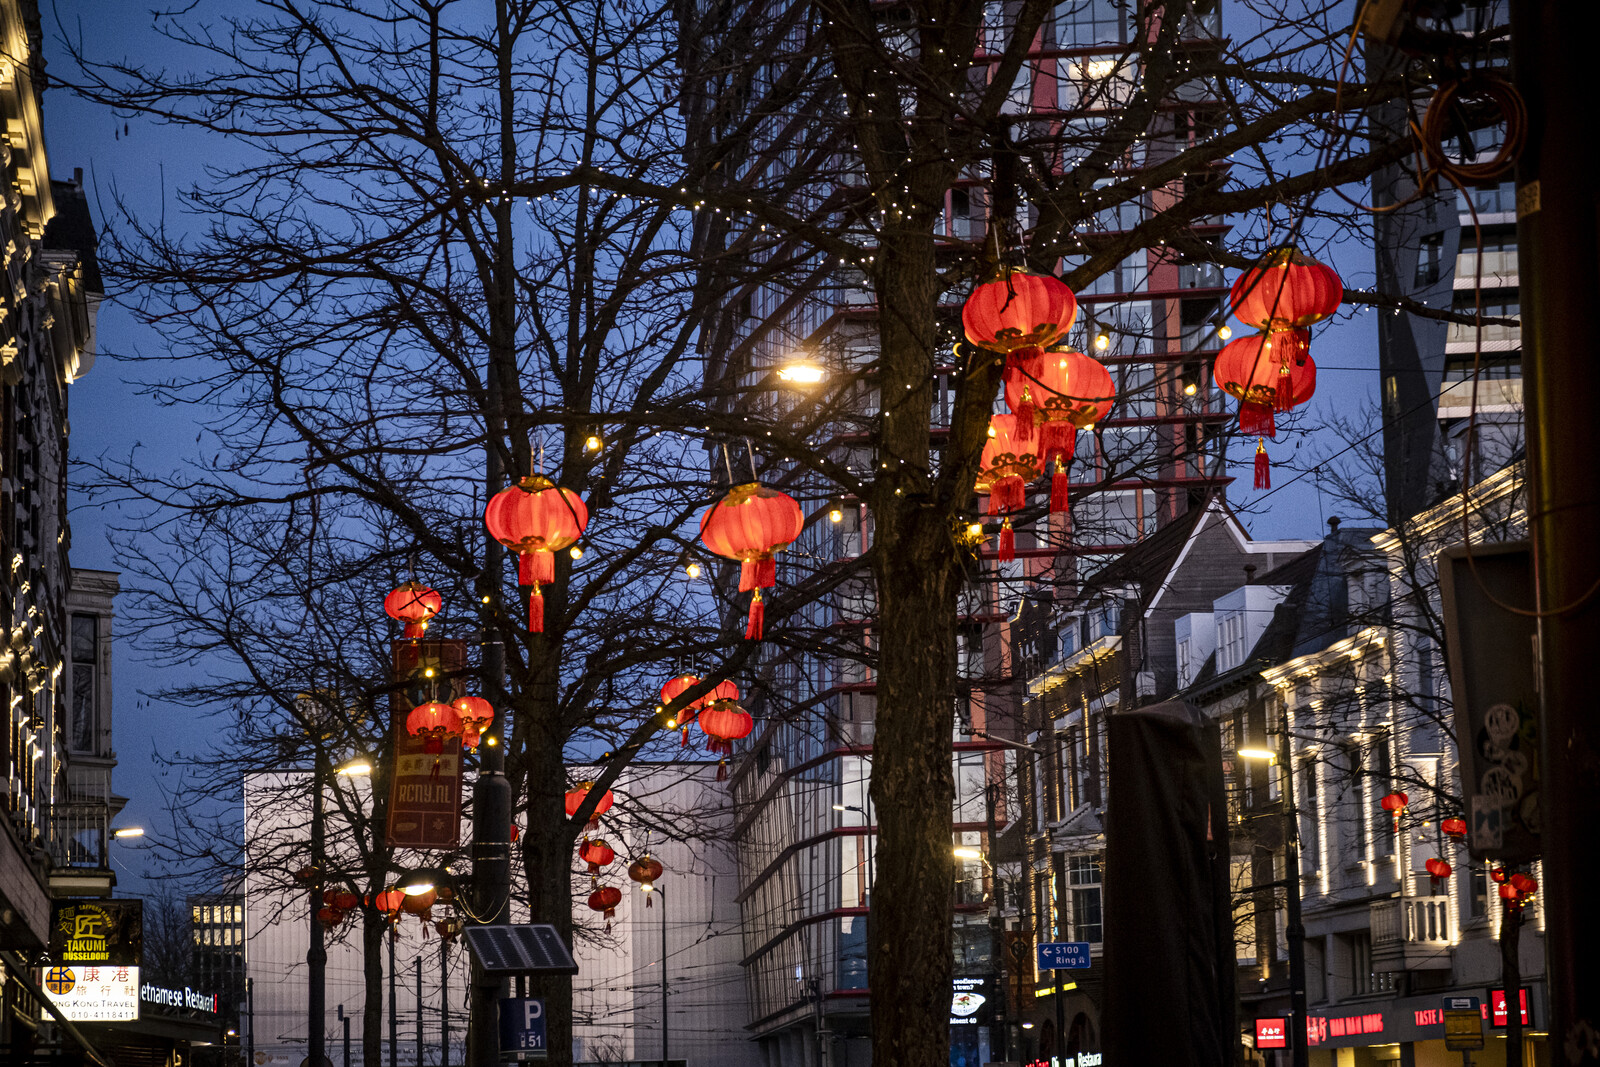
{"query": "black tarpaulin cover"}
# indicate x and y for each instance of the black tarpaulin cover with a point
(1169, 993)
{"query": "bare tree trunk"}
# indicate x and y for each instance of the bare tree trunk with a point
(918, 573)
(373, 927)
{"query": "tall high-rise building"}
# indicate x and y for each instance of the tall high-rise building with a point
(1450, 250)
(763, 109)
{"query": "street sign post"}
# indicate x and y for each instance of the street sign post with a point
(522, 1029)
(1463, 1025)
(1064, 955)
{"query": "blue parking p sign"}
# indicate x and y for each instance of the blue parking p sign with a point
(1063, 955)
(522, 1032)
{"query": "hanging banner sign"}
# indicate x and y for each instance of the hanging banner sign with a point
(97, 931)
(92, 993)
(425, 788)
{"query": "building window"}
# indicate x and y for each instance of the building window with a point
(1084, 23)
(1382, 774)
(1083, 881)
(1429, 258)
(1361, 963)
(1230, 641)
(85, 661)
(1310, 830)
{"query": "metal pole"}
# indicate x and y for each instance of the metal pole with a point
(419, 1009)
(491, 795)
(663, 896)
(394, 1017)
(1511, 978)
(1296, 930)
(996, 933)
(316, 952)
(1557, 226)
(444, 1002)
(1060, 861)
(345, 1019)
(250, 1014)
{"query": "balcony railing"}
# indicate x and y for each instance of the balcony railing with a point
(1411, 920)
(78, 833)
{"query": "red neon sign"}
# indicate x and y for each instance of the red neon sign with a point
(1497, 1005)
(1272, 1033)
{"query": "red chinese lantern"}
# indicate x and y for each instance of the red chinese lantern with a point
(435, 723)
(1018, 310)
(475, 713)
(1438, 868)
(676, 687)
(537, 519)
(575, 800)
(330, 916)
(596, 853)
(1524, 885)
(1456, 828)
(1395, 804)
(606, 899)
(1060, 392)
(390, 901)
(420, 905)
(1287, 289)
(1004, 471)
(1497, 874)
(1508, 893)
(413, 604)
(342, 901)
(724, 722)
(645, 870)
(750, 524)
(1267, 373)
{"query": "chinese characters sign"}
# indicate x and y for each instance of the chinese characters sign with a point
(99, 931)
(94, 993)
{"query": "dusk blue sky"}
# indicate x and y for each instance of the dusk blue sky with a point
(111, 416)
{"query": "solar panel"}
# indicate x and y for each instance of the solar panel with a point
(534, 948)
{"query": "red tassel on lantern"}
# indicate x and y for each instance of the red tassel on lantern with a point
(1008, 542)
(535, 611)
(1257, 419)
(1263, 466)
(758, 613)
(1060, 489)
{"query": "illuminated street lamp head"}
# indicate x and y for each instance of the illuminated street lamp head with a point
(1258, 753)
(1189, 389)
(836, 514)
(1102, 342)
(968, 853)
(128, 831)
(801, 372)
(1225, 332)
(355, 768)
(594, 443)
(576, 552)
(692, 570)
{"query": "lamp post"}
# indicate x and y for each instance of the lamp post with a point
(661, 895)
(1295, 931)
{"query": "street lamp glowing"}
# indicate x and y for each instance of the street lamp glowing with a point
(801, 372)
(1102, 342)
(968, 853)
(692, 570)
(1258, 753)
(576, 552)
(128, 831)
(355, 768)
(417, 889)
(1189, 389)
(594, 444)
(836, 515)
(1225, 332)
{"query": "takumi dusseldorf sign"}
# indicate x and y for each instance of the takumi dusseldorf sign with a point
(107, 932)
